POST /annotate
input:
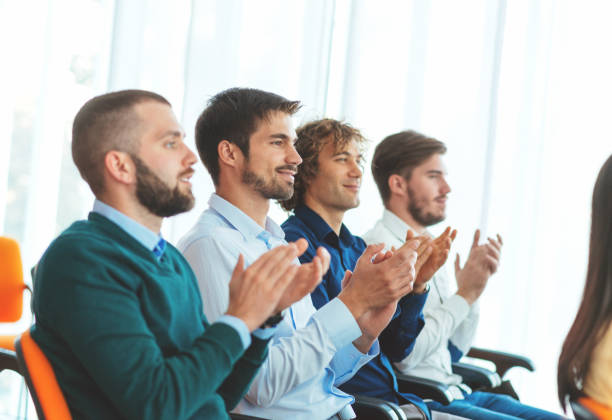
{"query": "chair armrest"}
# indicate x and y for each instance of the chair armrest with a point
(476, 377)
(424, 388)
(8, 360)
(503, 361)
(375, 408)
(235, 416)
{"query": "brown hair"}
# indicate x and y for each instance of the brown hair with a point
(233, 115)
(595, 312)
(311, 138)
(399, 154)
(106, 122)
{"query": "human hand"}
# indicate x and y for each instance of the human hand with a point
(440, 248)
(255, 292)
(377, 281)
(481, 264)
(373, 321)
(307, 277)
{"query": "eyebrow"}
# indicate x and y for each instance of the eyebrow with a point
(434, 172)
(345, 153)
(172, 133)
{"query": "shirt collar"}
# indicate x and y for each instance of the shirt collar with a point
(320, 227)
(243, 223)
(397, 226)
(149, 239)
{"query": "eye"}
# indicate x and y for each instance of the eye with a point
(342, 159)
(277, 142)
(171, 144)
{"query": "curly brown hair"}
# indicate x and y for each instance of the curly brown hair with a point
(311, 138)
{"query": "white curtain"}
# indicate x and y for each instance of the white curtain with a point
(519, 91)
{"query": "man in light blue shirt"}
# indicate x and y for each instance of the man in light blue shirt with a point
(245, 139)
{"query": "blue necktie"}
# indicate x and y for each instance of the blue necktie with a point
(159, 248)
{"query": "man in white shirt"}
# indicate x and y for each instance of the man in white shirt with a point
(411, 177)
(245, 139)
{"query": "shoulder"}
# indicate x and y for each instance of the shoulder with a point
(210, 230)
(379, 233)
(295, 228)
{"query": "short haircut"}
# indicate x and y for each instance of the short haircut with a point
(106, 122)
(234, 115)
(399, 154)
(311, 138)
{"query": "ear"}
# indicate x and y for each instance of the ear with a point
(397, 185)
(229, 153)
(120, 167)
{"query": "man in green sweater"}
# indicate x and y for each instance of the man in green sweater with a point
(118, 311)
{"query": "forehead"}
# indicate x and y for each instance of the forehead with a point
(351, 147)
(156, 118)
(433, 163)
(276, 122)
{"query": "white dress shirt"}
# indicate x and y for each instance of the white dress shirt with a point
(311, 351)
(448, 316)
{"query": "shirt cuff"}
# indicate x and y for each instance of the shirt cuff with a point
(349, 360)
(264, 333)
(338, 322)
(413, 303)
(239, 326)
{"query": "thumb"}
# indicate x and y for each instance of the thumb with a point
(347, 278)
(238, 268)
(371, 251)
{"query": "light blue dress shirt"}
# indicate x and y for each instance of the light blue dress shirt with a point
(156, 244)
(311, 352)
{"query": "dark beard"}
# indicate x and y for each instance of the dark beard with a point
(156, 196)
(418, 213)
(270, 190)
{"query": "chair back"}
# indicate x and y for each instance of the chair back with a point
(11, 281)
(47, 396)
(586, 408)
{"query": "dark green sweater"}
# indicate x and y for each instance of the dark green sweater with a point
(126, 334)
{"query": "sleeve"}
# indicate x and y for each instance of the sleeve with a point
(294, 357)
(399, 337)
(463, 337)
(96, 310)
(441, 321)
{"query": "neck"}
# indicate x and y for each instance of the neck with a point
(129, 206)
(252, 203)
(333, 217)
(400, 209)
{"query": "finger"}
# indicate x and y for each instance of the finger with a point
(423, 258)
(274, 262)
(410, 245)
(301, 245)
(325, 259)
(409, 235)
(453, 234)
(371, 251)
(476, 238)
(378, 258)
(499, 239)
(492, 252)
(393, 249)
(494, 244)
(491, 264)
(348, 274)
(426, 243)
(457, 264)
(238, 268)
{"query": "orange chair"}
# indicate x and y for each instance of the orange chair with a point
(45, 391)
(11, 287)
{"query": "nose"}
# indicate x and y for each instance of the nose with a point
(190, 157)
(356, 171)
(293, 157)
(445, 188)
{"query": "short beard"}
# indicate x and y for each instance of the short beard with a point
(417, 211)
(156, 196)
(271, 190)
